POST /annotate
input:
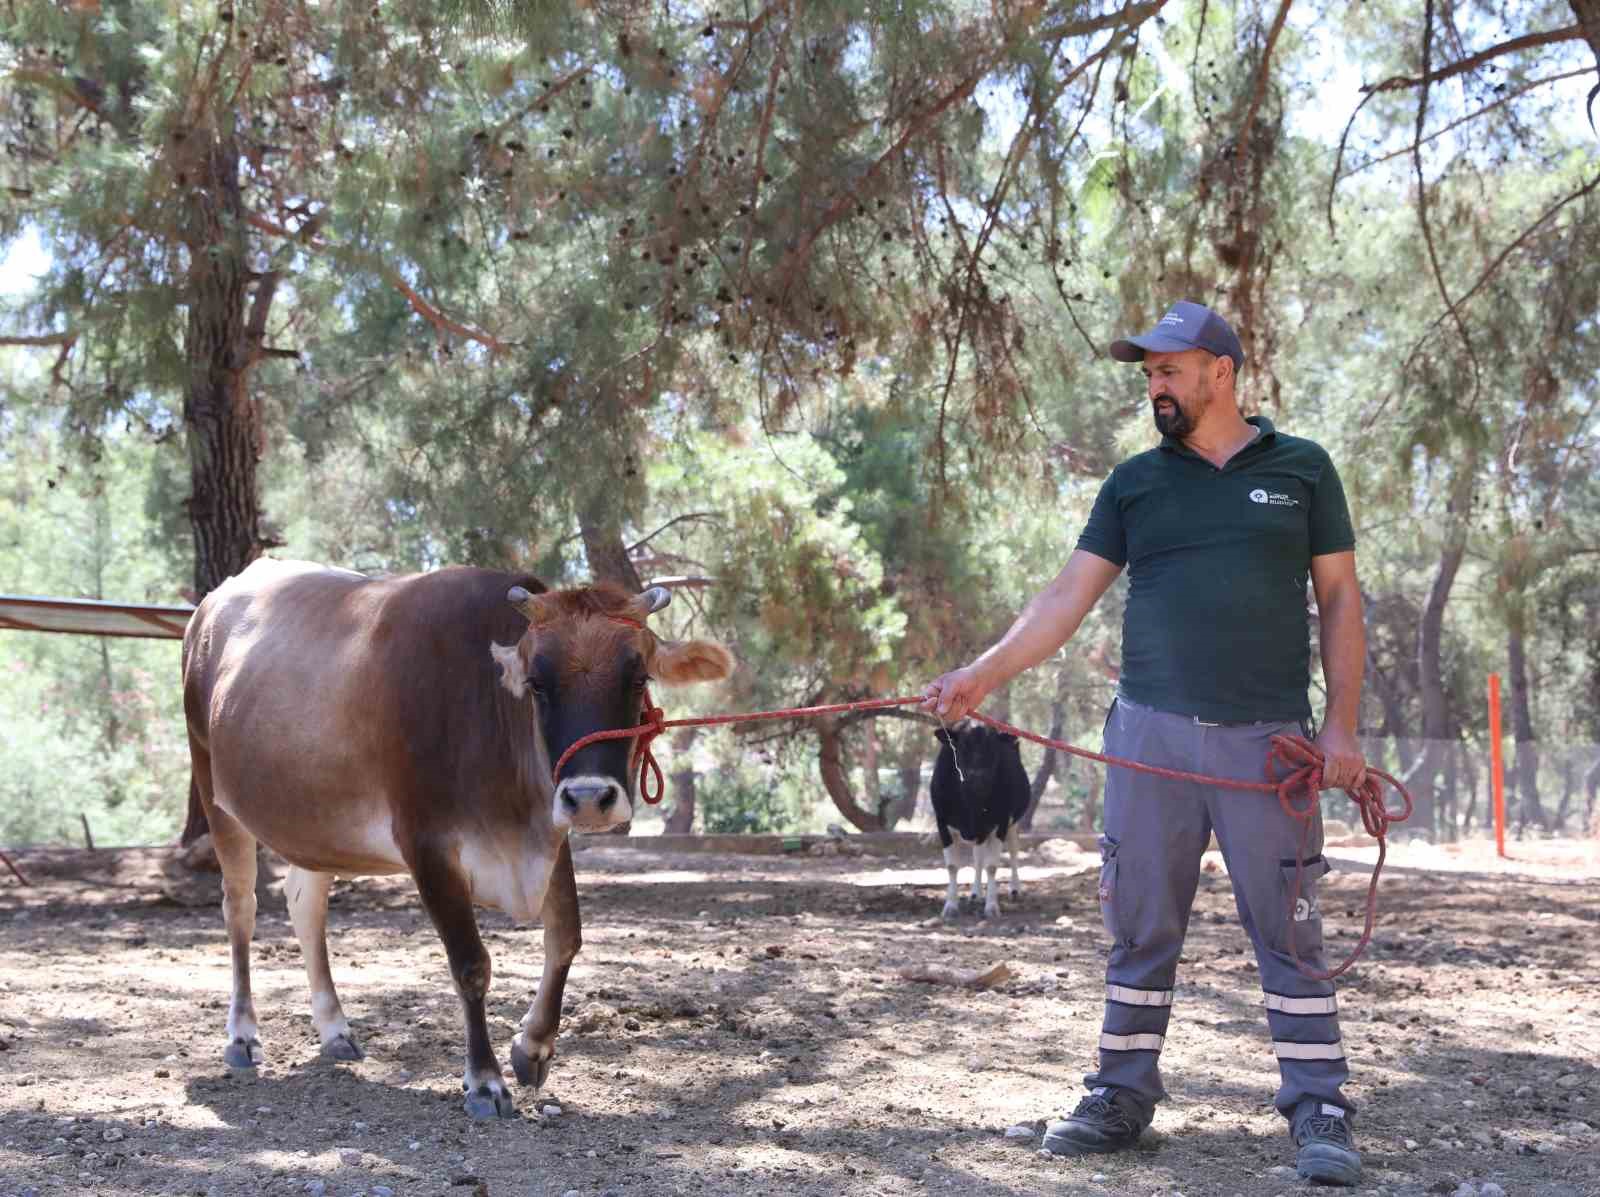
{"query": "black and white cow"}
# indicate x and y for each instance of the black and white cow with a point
(980, 791)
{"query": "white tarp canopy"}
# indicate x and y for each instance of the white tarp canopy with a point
(92, 617)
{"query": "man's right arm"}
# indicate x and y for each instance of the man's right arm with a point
(1046, 623)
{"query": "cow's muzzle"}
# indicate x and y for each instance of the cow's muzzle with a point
(590, 803)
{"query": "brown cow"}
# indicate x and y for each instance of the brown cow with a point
(360, 726)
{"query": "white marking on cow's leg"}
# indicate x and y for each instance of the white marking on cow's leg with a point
(1014, 845)
(534, 1046)
(952, 903)
(307, 895)
(977, 872)
(991, 864)
(236, 853)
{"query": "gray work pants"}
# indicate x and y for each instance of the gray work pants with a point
(1155, 832)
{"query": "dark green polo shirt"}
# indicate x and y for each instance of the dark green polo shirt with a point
(1218, 560)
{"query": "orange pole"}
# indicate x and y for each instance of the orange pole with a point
(1497, 770)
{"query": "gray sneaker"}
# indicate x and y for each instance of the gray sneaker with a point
(1327, 1152)
(1100, 1125)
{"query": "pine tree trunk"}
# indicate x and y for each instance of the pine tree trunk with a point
(904, 806)
(605, 548)
(221, 424)
(1526, 766)
(836, 778)
(1047, 766)
(680, 819)
(1430, 662)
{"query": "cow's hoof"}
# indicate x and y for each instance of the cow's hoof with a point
(951, 912)
(531, 1071)
(490, 1101)
(991, 912)
(243, 1053)
(343, 1047)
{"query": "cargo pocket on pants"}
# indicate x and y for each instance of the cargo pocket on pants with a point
(1299, 914)
(1108, 887)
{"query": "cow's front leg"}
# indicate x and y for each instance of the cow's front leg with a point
(534, 1046)
(952, 900)
(990, 852)
(448, 900)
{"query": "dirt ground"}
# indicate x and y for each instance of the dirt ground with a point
(738, 1025)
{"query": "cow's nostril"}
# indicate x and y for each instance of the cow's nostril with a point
(608, 801)
(569, 801)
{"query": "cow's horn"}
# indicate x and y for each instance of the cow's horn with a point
(525, 601)
(656, 598)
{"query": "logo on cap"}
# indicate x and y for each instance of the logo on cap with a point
(1258, 496)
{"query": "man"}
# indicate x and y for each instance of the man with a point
(1220, 528)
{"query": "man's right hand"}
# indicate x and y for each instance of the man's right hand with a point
(952, 695)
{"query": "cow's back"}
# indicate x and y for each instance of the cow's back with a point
(335, 709)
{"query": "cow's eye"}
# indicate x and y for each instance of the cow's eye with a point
(640, 682)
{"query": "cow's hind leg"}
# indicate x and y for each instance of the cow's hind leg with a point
(448, 900)
(535, 1044)
(1013, 845)
(236, 852)
(307, 893)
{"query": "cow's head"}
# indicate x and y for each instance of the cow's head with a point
(584, 663)
(979, 749)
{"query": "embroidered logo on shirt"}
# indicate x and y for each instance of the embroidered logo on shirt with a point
(1273, 498)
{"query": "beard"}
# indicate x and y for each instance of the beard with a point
(1176, 423)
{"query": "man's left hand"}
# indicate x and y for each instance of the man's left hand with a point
(1343, 766)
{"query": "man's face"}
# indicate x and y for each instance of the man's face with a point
(1180, 389)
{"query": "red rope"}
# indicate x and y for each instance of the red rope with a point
(1298, 790)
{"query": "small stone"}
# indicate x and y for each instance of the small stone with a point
(162, 1072)
(358, 1127)
(1465, 1189)
(350, 1159)
(1481, 1137)
(1280, 1170)
(1411, 1145)
(316, 1187)
(115, 1134)
(550, 1111)
(1020, 1131)
(414, 1145)
(1098, 1178)
(1575, 1127)
(592, 1154)
(1522, 1091)
(1489, 1189)
(382, 1191)
(1438, 1144)
(263, 1109)
(631, 1024)
(572, 1193)
(1543, 1148)
(1569, 1080)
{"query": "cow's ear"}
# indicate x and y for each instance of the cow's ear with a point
(535, 607)
(513, 673)
(680, 661)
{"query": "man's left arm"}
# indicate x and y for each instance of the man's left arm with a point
(1344, 656)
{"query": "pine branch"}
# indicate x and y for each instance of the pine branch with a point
(1471, 116)
(713, 516)
(384, 271)
(1422, 198)
(1239, 150)
(1526, 42)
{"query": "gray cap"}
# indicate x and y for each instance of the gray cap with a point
(1185, 326)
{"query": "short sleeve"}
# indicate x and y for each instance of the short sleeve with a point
(1104, 534)
(1331, 530)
